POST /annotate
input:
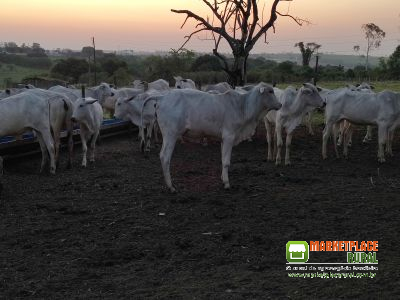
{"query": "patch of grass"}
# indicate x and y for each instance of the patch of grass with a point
(17, 73)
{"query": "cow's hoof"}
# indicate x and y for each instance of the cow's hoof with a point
(288, 163)
(172, 190)
(227, 186)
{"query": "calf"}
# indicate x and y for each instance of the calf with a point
(230, 116)
(89, 114)
(295, 104)
(135, 110)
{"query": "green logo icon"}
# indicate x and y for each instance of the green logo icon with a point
(297, 251)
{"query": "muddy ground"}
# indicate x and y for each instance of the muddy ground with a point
(113, 231)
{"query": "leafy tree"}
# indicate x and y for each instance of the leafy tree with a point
(307, 51)
(70, 68)
(110, 65)
(374, 36)
(393, 63)
(206, 62)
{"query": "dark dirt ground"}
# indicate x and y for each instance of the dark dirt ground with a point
(113, 231)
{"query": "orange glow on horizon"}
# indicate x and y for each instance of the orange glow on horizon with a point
(150, 25)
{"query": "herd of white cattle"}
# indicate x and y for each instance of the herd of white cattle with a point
(218, 110)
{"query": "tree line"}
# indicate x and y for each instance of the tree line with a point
(79, 67)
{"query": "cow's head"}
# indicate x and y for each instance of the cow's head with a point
(82, 109)
(310, 95)
(267, 93)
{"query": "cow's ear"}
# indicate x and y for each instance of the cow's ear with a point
(262, 90)
(319, 89)
(372, 87)
(8, 92)
(357, 84)
(184, 80)
(91, 101)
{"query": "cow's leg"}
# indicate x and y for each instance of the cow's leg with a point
(149, 131)
(56, 135)
(279, 143)
(155, 132)
(93, 146)
(288, 143)
(382, 138)
(325, 136)
(346, 140)
(350, 129)
(167, 149)
(309, 124)
(269, 140)
(368, 134)
(389, 142)
(226, 151)
(84, 138)
(47, 139)
(45, 155)
(142, 139)
(70, 142)
(340, 136)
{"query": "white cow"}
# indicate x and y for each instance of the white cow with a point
(100, 92)
(221, 87)
(72, 93)
(61, 108)
(181, 83)
(230, 116)
(139, 112)
(27, 111)
(14, 91)
(121, 93)
(345, 127)
(381, 109)
(295, 105)
(158, 85)
(89, 114)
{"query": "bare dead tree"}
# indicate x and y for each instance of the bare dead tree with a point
(241, 24)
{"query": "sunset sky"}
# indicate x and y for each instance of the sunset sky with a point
(150, 25)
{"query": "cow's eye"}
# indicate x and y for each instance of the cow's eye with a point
(81, 105)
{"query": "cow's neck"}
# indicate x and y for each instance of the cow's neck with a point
(253, 109)
(296, 108)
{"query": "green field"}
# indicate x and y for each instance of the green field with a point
(15, 73)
